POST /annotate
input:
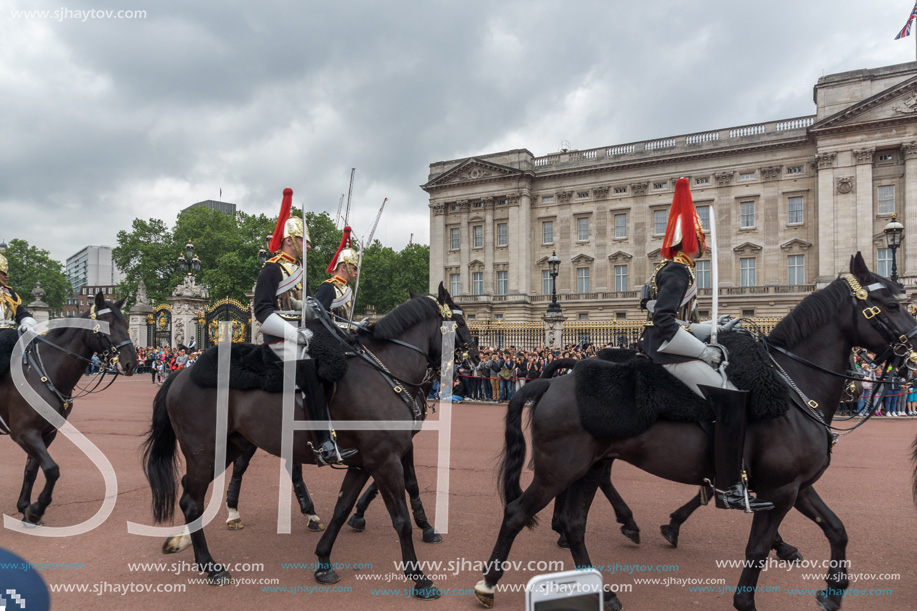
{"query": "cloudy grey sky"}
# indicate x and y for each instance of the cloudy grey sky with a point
(105, 120)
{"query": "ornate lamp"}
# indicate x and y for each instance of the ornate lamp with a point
(894, 234)
(554, 263)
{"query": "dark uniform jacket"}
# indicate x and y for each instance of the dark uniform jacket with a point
(281, 268)
(674, 281)
(335, 296)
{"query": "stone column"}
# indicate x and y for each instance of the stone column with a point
(769, 259)
(137, 317)
(465, 249)
(641, 228)
(438, 249)
(187, 300)
(861, 224)
(490, 278)
(553, 329)
(909, 220)
(521, 264)
(824, 162)
(40, 310)
(258, 336)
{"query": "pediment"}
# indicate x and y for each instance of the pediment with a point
(796, 244)
(620, 256)
(472, 170)
(747, 247)
(476, 263)
(896, 103)
(582, 258)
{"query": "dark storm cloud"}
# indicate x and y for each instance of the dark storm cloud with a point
(107, 120)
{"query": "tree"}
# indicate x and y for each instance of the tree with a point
(30, 265)
(147, 253)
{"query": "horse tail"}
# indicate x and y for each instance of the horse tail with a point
(556, 364)
(513, 456)
(159, 456)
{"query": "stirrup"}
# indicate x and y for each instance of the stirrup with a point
(722, 501)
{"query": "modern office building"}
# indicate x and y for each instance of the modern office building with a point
(92, 266)
(224, 207)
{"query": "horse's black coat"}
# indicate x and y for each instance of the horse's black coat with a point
(8, 339)
(254, 367)
(646, 392)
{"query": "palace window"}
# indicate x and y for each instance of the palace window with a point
(478, 232)
(747, 215)
(884, 262)
(885, 196)
(477, 283)
(621, 225)
(747, 269)
(502, 283)
(703, 274)
(547, 232)
(620, 278)
(546, 280)
(703, 212)
(659, 220)
(502, 234)
(797, 169)
(582, 228)
(794, 211)
(582, 279)
(796, 269)
(455, 283)
(455, 238)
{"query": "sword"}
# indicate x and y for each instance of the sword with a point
(305, 276)
(715, 295)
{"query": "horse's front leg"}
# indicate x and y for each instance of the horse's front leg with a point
(36, 447)
(623, 513)
(410, 483)
(353, 482)
(671, 530)
(358, 521)
(305, 501)
(239, 467)
(763, 529)
(810, 505)
(389, 476)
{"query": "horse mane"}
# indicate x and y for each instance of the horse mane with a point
(406, 315)
(811, 315)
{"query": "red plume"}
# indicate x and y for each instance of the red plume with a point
(285, 206)
(681, 232)
(345, 243)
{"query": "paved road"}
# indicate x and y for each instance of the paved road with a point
(867, 486)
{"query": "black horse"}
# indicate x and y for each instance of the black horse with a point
(785, 456)
(56, 362)
(407, 341)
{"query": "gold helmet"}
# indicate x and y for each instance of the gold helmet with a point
(294, 228)
(288, 227)
(348, 255)
(4, 265)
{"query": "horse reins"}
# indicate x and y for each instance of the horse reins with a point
(898, 353)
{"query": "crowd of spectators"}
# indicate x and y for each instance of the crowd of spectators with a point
(161, 362)
(900, 393)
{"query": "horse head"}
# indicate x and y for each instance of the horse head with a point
(882, 322)
(466, 342)
(116, 346)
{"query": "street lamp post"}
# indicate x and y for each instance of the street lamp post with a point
(189, 261)
(264, 253)
(554, 263)
(894, 234)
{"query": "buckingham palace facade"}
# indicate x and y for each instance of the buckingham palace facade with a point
(792, 199)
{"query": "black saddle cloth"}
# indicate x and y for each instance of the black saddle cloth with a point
(8, 339)
(256, 367)
(621, 394)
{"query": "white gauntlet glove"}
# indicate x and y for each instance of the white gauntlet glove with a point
(712, 356)
(303, 337)
(27, 323)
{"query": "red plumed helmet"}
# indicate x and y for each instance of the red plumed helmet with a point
(344, 252)
(683, 231)
(280, 230)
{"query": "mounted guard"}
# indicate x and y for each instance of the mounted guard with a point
(278, 306)
(335, 293)
(673, 338)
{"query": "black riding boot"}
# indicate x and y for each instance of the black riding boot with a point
(327, 451)
(728, 447)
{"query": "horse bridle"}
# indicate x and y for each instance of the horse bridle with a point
(898, 353)
(109, 356)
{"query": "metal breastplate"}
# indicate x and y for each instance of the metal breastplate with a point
(289, 297)
(9, 303)
(343, 300)
(686, 311)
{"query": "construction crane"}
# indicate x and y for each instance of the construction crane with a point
(363, 247)
(349, 193)
(337, 217)
(411, 241)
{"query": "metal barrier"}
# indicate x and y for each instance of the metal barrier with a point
(599, 333)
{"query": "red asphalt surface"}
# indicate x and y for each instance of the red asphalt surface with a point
(868, 486)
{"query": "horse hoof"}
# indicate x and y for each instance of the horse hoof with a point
(235, 524)
(357, 523)
(633, 535)
(327, 577)
(431, 536)
(562, 542)
(30, 519)
(315, 525)
(613, 604)
(175, 544)
(427, 593)
(220, 578)
(484, 594)
(825, 603)
(670, 534)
